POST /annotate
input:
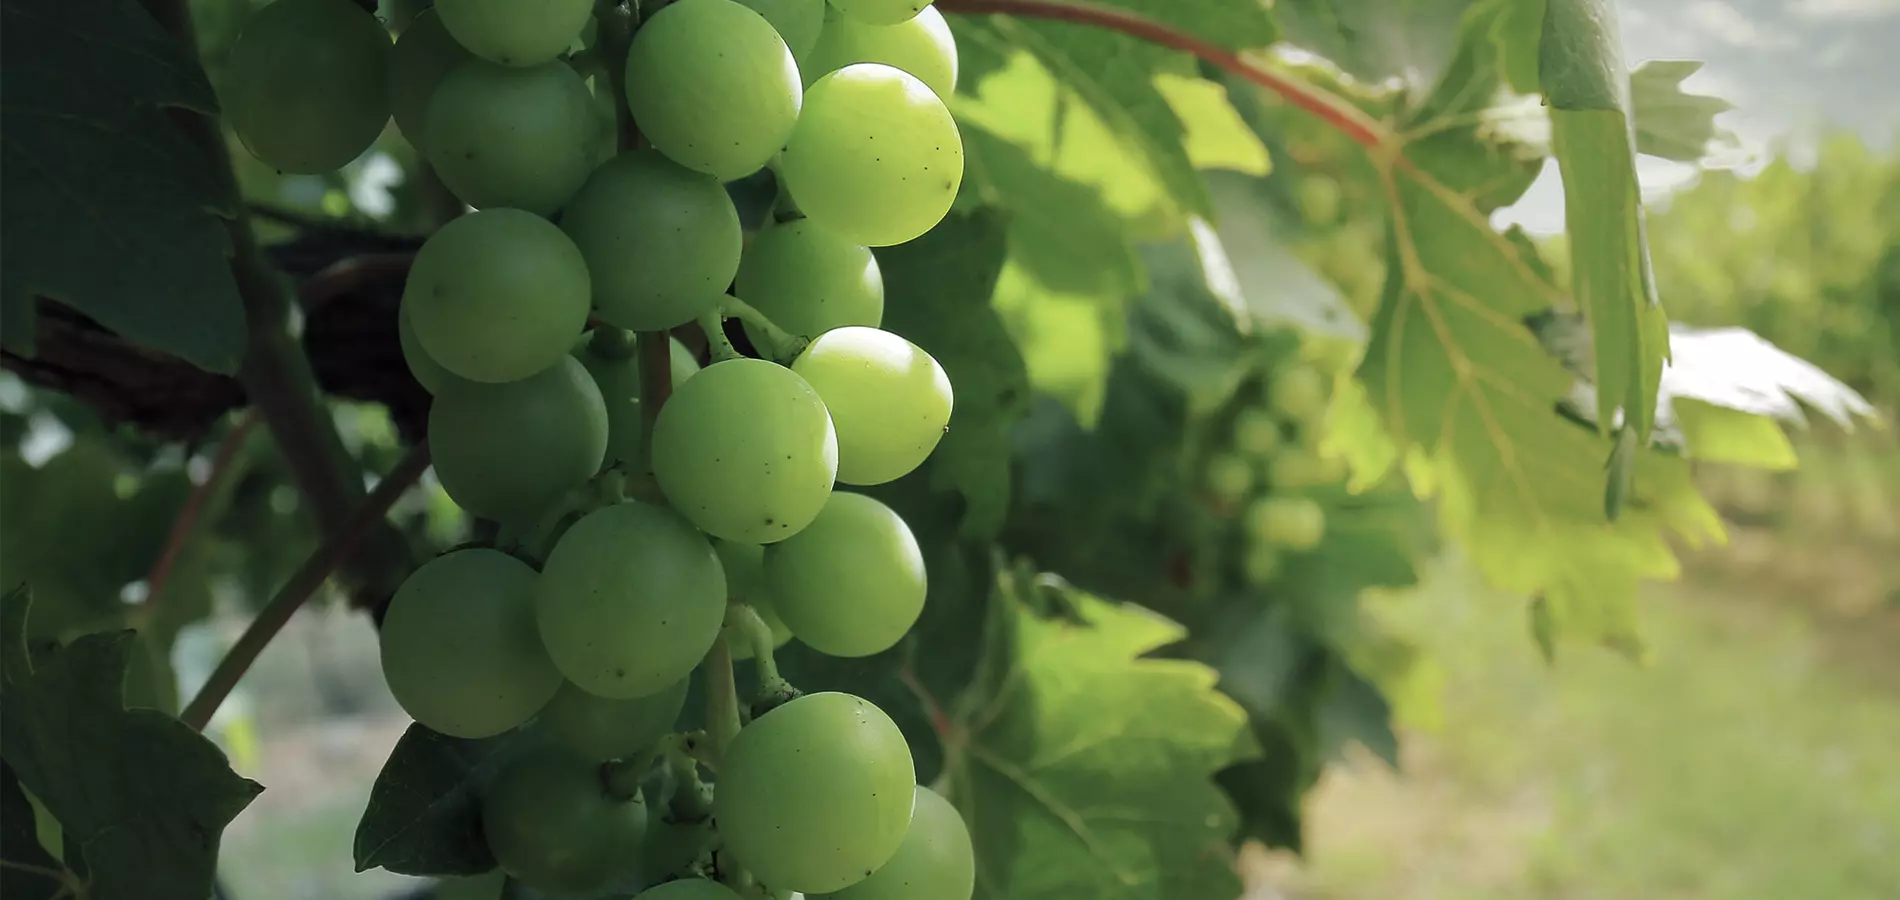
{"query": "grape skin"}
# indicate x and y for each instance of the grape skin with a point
(619, 383)
(936, 861)
(853, 582)
(922, 46)
(1229, 478)
(688, 889)
(875, 155)
(745, 582)
(427, 371)
(497, 295)
(551, 826)
(713, 87)
(513, 33)
(424, 55)
(798, 22)
(458, 645)
(746, 450)
(630, 600)
(816, 794)
(889, 400)
(307, 90)
(809, 281)
(880, 12)
(1297, 523)
(1299, 394)
(1256, 432)
(601, 728)
(661, 241)
(517, 137)
(509, 451)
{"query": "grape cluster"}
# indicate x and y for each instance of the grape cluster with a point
(584, 621)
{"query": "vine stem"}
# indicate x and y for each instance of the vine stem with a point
(1347, 119)
(301, 586)
(714, 326)
(722, 698)
(785, 345)
(187, 520)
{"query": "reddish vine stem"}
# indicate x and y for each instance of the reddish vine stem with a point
(302, 585)
(1349, 120)
(187, 520)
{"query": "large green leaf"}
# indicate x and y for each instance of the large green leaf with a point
(110, 209)
(1375, 40)
(424, 812)
(27, 869)
(1673, 124)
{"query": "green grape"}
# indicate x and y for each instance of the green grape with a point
(1297, 467)
(880, 12)
(514, 33)
(1297, 523)
(630, 600)
(1299, 393)
(618, 378)
(427, 371)
(935, 862)
(661, 242)
(746, 450)
(458, 645)
(852, 583)
(816, 794)
(713, 87)
(605, 728)
(797, 22)
(552, 826)
(809, 281)
(1261, 564)
(875, 157)
(307, 84)
(745, 581)
(510, 451)
(1256, 432)
(922, 46)
(424, 55)
(889, 400)
(522, 138)
(1229, 478)
(688, 889)
(497, 295)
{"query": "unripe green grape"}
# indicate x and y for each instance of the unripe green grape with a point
(430, 374)
(523, 138)
(424, 55)
(498, 295)
(601, 728)
(745, 582)
(630, 600)
(513, 33)
(1294, 468)
(1300, 393)
(797, 22)
(875, 156)
(746, 450)
(1261, 564)
(459, 649)
(510, 451)
(1297, 523)
(713, 87)
(880, 12)
(552, 826)
(662, 242)
(922, 46)
(852, 583)
(308, 84)
(936, 861)
(889, 400)
(1256, 432)
(688, 889)
(619, 383)
(816, 794)
(809, 281)
(1229, 478)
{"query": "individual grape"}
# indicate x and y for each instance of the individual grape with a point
(510, 451)
(746, 450)
(1299, 392)
(605, 728)
(427, 371)
(424, 55)
(936, 861)
(630, 600)
(1229, 478)
(618, 378)
(497, 295)
(713, 86)
(797, 22)
(809, 281)
(518, 137)
(688, 889)
(458, 645)
(922, 46)
(662, 242)
(551, 824)
(307, 85)
(852, 583)
(1297, 467)
(875, 156)
(514, 33)
(880, 12)
(1261, 564)
(1256, 432)
(889, 400)
(745, 582)
(1297, 523)
(816, 794)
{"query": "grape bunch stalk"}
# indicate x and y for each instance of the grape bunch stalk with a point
(637, 546)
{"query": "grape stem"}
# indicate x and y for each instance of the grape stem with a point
(722, 699)
(302, 585)
(609, 342)
(656, 384)
(784, 346)
(714, 325)
(690, 800)
(187, 521)
(771, 689)
(617, 20)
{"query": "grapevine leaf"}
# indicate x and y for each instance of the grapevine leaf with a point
(110, 209)
(424, 812)
(1068, 796)
(1673, 124)
(67, 734)
(1376, 40)
(1060, 230)
(1278, 288)
(27, 870)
